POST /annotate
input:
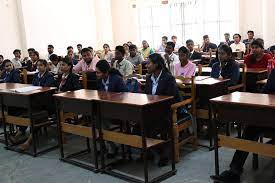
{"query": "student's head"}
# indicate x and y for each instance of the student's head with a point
(145, 44)
(34, 55)
(50, 49)
(272, 49)
(126, 47)
(70, 54)
(91, 48)
(183, 54)
(54, 59)
(106, 47)
(261, 41)
(174, 39)
(237, 38)
(102, 69)
(257, 47)
(224, 53)
(87, 55)
(227, 36)
(79, 47)
(164, 39)
(250, 34)
(156, 63)
(133, 50)
(17, 53)
(169, 47)
(190, 45)
(42, 65)
(1, 59)
(8, 65)
(206, 39)
(30, 50)
(119, 53)
(129, 43)
(66, 65)
(70, 48)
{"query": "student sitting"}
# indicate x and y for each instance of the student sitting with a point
(258, 59)
(249, 133)
(107, 53)
(32, 63)
(69, 80)
(162, 47)
(2, 67)
(54, 66)
(109, 79)
(185, 68)
(177, 46)
(126, 49)
(71, 57)
(171, 59)
(16, 61)
(207, 45)
(135, 58)
(227, 40)
(146, 50)
(194, 55)
(237, 46)
(214, 60)
(43, 77)
(10, 75)
(227, 68)
(88, 62)
(124, 66)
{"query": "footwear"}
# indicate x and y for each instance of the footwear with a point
(24, 147)
(227, 176)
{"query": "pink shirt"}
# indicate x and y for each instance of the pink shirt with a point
(82, 66)
(187, 71)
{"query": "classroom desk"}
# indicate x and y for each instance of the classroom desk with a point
(78, 102)
(144, 110)
(28, 100)
(246, 108)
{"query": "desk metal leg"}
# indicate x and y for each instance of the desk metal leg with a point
(4, 124)
(60, 116)
(32, 130)
(216, 147)
(144, 150)
(94, 139)
(101, 140)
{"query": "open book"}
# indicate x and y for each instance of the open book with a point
(26, 89)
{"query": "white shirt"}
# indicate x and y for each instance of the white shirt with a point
(240, 47)
(177, 47)
(125, 67)
(16, 63)
(174, 59)
(155, 82)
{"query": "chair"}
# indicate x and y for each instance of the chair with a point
(24, 76)
(241, 86)
(182, 122)
(84, 81)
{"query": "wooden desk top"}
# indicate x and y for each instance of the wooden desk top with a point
(5, 88)
(249, 70)
(136, 99)
(203, 80)
(246, 99)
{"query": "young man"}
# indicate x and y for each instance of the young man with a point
(1, 63)
(50, 51)
(237, 46)
(171, 59)
(54, 65)
(124, 66)
(16, 61)
(208, 45)
(88, 62)
(135, 58)
(79, 48)
(163, 44)
(177, 46)
(227, 40)
(185, 68)
(194, 55)
(227, 68)
(250, 35)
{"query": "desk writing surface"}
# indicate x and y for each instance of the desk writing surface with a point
(205, 80)
(249, 70)
(82, 94)
(246, 99)
(5, 88)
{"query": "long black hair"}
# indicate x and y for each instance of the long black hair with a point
(157, 59)
(104, 67)
(67, 61)
(259, 43)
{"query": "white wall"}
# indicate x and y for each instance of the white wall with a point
(59, 22)
(10, 30)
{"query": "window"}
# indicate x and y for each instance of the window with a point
(188, 19)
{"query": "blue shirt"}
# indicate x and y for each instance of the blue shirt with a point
(155, 82)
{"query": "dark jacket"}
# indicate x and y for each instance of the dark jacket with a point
(72, 83)
(116, 84)
(213, 61)
(270, 85)
(231, 71)
(12, 77)
(195, 56)
(46, 80)
(167, 86)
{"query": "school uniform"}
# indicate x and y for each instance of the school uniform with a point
(69, 82)
(114, 83)
(270, 85)
(208, 46)
(45, 79)
(11, 77)
(230, 70)
(194, 55)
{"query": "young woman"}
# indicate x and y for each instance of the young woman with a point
(10, 75)
(54, 65)
(43, 77)
(107, 53)
(69, 80)
(127, 51)
(146, 50)
(109, 79)
(185, 68)
(227, 68)
(32, 64)
(71, 57)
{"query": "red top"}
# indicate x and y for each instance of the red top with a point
(258, 64)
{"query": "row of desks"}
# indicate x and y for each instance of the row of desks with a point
(127, 107)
